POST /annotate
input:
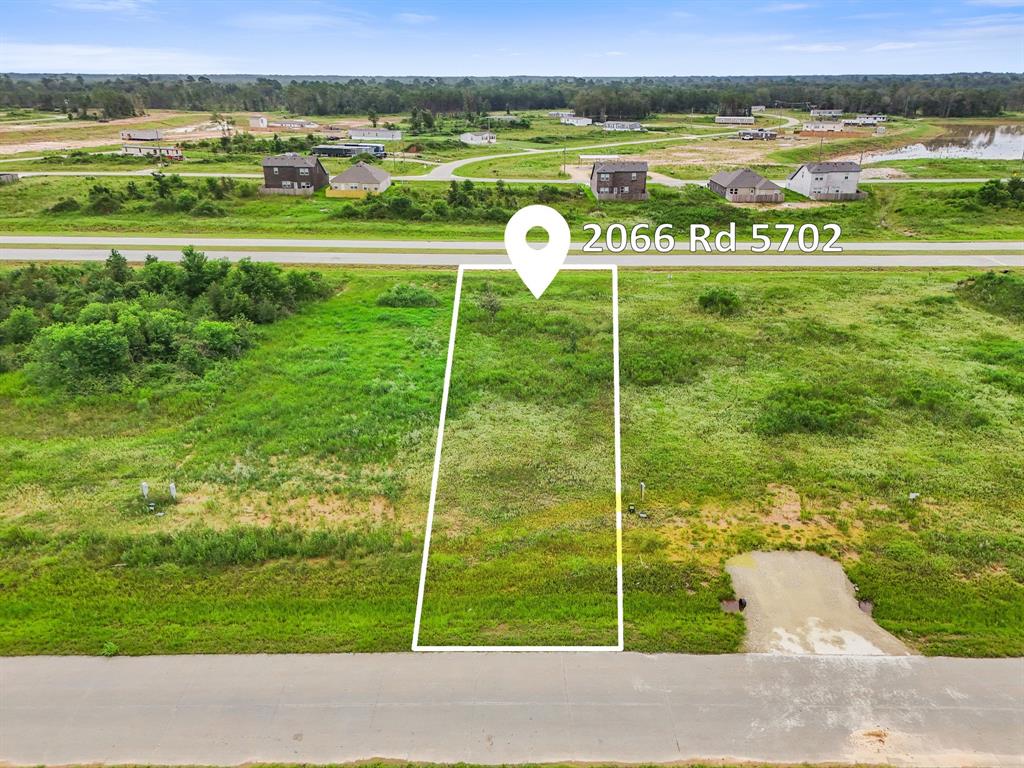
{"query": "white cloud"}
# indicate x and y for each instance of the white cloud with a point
(72, 57)
(893, 46)
(106, 6)
(784, 7)
(414, 18)
(814, 48)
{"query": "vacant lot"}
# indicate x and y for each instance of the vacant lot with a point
(764, 410)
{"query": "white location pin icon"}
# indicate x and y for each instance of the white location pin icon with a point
(537, 266)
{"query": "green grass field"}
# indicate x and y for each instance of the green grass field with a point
(303, 469)
(890, 212)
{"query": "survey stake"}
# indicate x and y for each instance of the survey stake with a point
(537, 266)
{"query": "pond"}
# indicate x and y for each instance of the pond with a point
(978, 142)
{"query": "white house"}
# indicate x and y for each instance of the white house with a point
(757, 108)
(734, 119)
(478, 137)
(152, 150)
(827, 181)
(562, 113)
(820, 126)
(826, 113)
(384, 134)
(576, 120)
(260, 121)
(293, 124)
(622, 125)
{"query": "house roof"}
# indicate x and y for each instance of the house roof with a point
(832, 167)
(292, 160)
(611, 166)
(362, 173)
(743, 178)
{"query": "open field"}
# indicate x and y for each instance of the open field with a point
(766, 409)
(427, 210)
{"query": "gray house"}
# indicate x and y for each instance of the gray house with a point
(619, 179)
(293, 174)
(745, 186)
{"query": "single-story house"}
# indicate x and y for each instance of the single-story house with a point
(821, 126)
(745, 186)
(293, 174)
(504, 118)
(293, 124)
(576, 120)
(562, 113)
(835, 180)
(734, 119)
(619, 179)
(141, 134)
(384, 134)
(260, 121)
(359, 180)
(826, 113)
(152, 150)
(757, 108)
(622, 125)
(8, 178)
(478, 137)
(757, 133)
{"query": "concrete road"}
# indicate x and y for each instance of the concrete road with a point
(454, 258)
(510, 708)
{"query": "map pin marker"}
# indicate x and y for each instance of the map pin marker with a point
(537, 267)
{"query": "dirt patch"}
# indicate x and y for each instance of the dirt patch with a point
(883, 173)
(785, 505)
(802, 603)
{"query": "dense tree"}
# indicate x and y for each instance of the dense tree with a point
(949, 95)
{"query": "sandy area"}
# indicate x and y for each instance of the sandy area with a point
(802, 603)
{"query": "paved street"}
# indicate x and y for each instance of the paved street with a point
(508, 707)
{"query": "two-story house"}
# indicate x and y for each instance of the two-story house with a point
(293, 174)
(619, 179)
(827, 181)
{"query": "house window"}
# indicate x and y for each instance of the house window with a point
(286, 184)
(305, 185)
(603, 190)
(604, 176)
(625, 190)
(277, 171)
(303, 171)
(632, 177)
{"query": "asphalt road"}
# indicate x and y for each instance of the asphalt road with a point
(454, 258)
(511, 708)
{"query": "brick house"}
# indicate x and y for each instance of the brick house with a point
(619, 179)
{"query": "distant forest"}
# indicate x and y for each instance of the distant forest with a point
(951, 95)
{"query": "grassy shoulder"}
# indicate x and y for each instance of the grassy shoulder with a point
(792, 410)
(954, 168)
(472, 211)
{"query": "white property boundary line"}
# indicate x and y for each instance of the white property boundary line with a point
(437, 466)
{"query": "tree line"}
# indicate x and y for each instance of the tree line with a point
(949, 95)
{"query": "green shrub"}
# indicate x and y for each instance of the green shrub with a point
(65, 205)
(722, 301)
(1001, 293)
(812, 409)
(19, 327)
(77, 356)
(407, 295)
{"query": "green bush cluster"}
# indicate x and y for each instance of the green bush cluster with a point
(99, 326)
(722, 301)
(160, 194)
(463, 202)
(996, 192)
(407, 295)
(999, 292)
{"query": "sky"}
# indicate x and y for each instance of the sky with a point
(588, 38)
